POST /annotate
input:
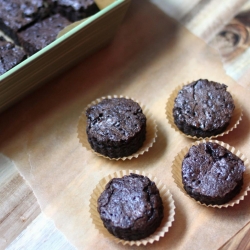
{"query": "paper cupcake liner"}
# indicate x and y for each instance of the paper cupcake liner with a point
(234, 122)
(168, 203)
(151, 130)
(177, 176)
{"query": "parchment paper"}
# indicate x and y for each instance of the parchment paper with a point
(150, 55)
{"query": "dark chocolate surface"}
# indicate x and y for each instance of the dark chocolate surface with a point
(211, 174)
(33, 24)
(10, 55)
(75, 10)
(203, 108)
(131, 207)
(16, 15)
(42, 33)
(116, 127)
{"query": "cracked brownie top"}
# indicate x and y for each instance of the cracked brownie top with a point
(203, 108)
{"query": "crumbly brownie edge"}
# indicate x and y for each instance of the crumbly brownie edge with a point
(214, 200)
(123, 148)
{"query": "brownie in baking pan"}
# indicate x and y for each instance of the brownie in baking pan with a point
(75, 10)
(16, 15)
(42, 33)
(116, 127)
(212, 174)
(131, 207)
(203, 108)
(11, 55)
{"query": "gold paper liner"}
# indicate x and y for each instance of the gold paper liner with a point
(167, 199)
(177, 176)
(103, 3)
(234, 122)
(151, 130)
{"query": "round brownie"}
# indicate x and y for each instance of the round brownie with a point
(131, 207)
(116, 127)
(212, 174)
(203, 108)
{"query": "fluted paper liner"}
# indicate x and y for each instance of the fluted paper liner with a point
(151, 130)
(168, 203)
(177, 175)
(234, 122)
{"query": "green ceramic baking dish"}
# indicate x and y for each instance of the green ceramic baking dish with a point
(76, 44)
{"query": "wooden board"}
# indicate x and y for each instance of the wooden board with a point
(224, 26)
(239, 241)
(22, 224)
(145, 61)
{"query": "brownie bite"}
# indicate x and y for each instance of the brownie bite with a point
(131, 207)
(116, 127)
(11, 55)
(203, 108)
(16, 15)
(75, 10)
(42, 33)
(212, 174)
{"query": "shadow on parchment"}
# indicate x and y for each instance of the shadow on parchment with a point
(240, 134)
(178, 228)
(145, 31)
(147, 160)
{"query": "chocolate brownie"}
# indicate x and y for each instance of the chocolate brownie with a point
(116, 127)
(131, 207)
(75, 10)
(10, 55)
(42, 33)
(212, 174)
(203, 108)
(15, 15)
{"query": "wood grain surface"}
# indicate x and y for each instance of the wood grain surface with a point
(19, 206)
(22, 224)
(40, 132)
(223, 25)
(240, 241)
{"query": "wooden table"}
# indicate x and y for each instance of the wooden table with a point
(22, 222)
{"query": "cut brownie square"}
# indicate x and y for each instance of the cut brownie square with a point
(10, 55)
(75, 10)
(16, 15)
(42, 33)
